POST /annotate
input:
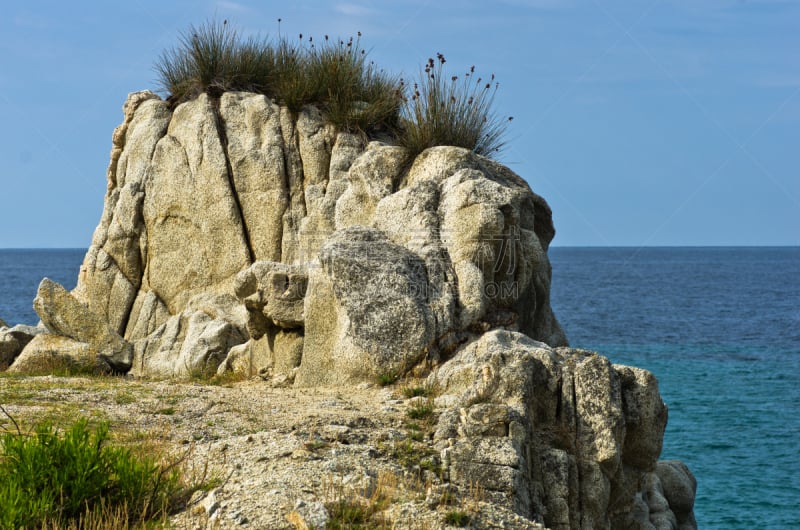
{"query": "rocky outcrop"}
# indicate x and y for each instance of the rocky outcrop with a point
(237, 195)
(560, 434)
(240, 237)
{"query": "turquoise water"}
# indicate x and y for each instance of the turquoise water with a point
(720, 327)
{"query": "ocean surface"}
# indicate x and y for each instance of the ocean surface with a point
(720, 328)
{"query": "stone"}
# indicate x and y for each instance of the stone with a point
(221, 307)
(308, 515)
(645, 416)
(147, 314)
(210, 504)
(24, 333)
(47, 353)
(598, 400)
(680, 487)
(365, 311)
(112, 270)
(275, 292)
(9, 348)
(13, 341)
(548, 428)
(3, 324)
(277, 353)
(62, 314)
(196, 240)
(254, 147)
(191, 344)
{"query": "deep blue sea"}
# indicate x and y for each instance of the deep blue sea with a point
(720, 328)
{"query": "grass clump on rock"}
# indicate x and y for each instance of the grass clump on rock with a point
(352, 92)
(71, 478)
(335, 75)
(455, 111)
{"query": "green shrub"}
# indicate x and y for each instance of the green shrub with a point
(457, 518)
(452, 111)
(421, 410)
(387, 378)
(60, 478)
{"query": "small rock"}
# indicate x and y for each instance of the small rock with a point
(210, 504)
(336, 433)
(308, 515)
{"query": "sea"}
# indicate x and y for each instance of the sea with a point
(718, 326)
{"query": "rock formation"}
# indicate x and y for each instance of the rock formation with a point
(239, 237)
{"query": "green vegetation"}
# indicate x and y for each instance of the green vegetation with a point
(353, 93)
(361, 510)
(420, 410)
(417, 388)
(387, 378)
(452, 111)
(457, 518)
(336, 76)
(50, 478)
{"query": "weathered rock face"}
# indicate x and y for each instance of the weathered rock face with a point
(238, 237)
(560, 433)
(339, 243)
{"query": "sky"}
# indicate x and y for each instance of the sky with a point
(642, 122)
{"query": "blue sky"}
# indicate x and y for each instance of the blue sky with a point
(671, 122)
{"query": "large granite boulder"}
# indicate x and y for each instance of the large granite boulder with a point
(236, 195)
(367, 310)
(64, 316)
(238, 236)
(559, 433)
(48, 353)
